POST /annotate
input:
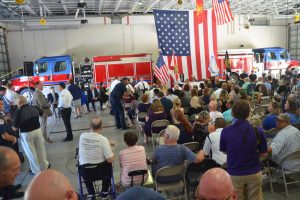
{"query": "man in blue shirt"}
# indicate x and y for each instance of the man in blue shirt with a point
(172, 154)
(116, 103)
(76, 93)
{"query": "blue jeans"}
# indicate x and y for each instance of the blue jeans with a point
(118, 110)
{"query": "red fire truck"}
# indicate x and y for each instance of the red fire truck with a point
(274, 60)
(53, 70)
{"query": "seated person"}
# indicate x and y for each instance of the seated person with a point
(213, 113)
(167, 103)
(270, 120)
(185, 99)
(164, 154)
(286, 141)
(195, 108)
(94, 148)
(176, 106)
(216, 183)
(292, 111)
(200, 129)
(156, 112)
(212, 143)
(228, 113)
(50, 185)
(132, 158)
(144, 105)
(186, 130)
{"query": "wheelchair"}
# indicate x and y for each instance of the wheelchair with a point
(91, 170)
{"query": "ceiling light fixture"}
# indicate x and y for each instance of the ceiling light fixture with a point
(140, 3)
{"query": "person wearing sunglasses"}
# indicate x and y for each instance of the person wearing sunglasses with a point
(215, 184)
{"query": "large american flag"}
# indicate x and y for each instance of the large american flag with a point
(161, 70)
(191, 36)
(222, 11)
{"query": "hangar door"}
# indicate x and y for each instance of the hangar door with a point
(294, 41)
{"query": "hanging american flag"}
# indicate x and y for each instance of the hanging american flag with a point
(161, 70)
(191, 36)
(222, 11)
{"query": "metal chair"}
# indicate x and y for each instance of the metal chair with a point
(271, 133)
(295, 156)
(160, 124)
(193, 146)
(141, 118)
(296, 125)
(160, 138)
(193, 118)
(135, 173)
(168, 171)
(265, 102)
(259, 111)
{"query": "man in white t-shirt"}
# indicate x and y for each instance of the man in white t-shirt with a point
(212, 143)
(213, 113)
(94, 148)
(113, 84)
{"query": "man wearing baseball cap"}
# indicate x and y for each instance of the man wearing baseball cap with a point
(285, 142)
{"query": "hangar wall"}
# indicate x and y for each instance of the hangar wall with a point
(139, 36)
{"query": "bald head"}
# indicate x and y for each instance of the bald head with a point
(9, 166)
(215, 184)
(96, 124)
(213, 106)
(50, 185)
(22, 101)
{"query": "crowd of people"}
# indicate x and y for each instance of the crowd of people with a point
(217, 115)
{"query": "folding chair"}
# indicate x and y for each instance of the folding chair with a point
(296, 125)
(93, 169)
(265, 102)
(292, 157)
(272, 132)
(195, 170)
(193, 146)
(160, 138)
(160, 125)
(259, 111)
(137, 173)
(168, 171)
(141, 118)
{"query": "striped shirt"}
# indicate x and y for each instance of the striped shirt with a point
(285, 142)
(131, 159)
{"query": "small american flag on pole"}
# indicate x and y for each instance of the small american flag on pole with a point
(222, 11)
(161, 70)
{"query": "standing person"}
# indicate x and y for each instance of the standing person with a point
(12, 97)
(103, 97)
(142, 85)
(39, 100)
(27, 120)
(64, 105)
(53, 100)
(115, 100)
(243, 145)
(84, 101)
(93, 96)
(5, 100)
(76, 93)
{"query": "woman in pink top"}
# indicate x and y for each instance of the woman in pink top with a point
(132, 158)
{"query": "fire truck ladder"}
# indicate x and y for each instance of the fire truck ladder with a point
(4, 56)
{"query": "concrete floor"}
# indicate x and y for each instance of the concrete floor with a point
(62, 155)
